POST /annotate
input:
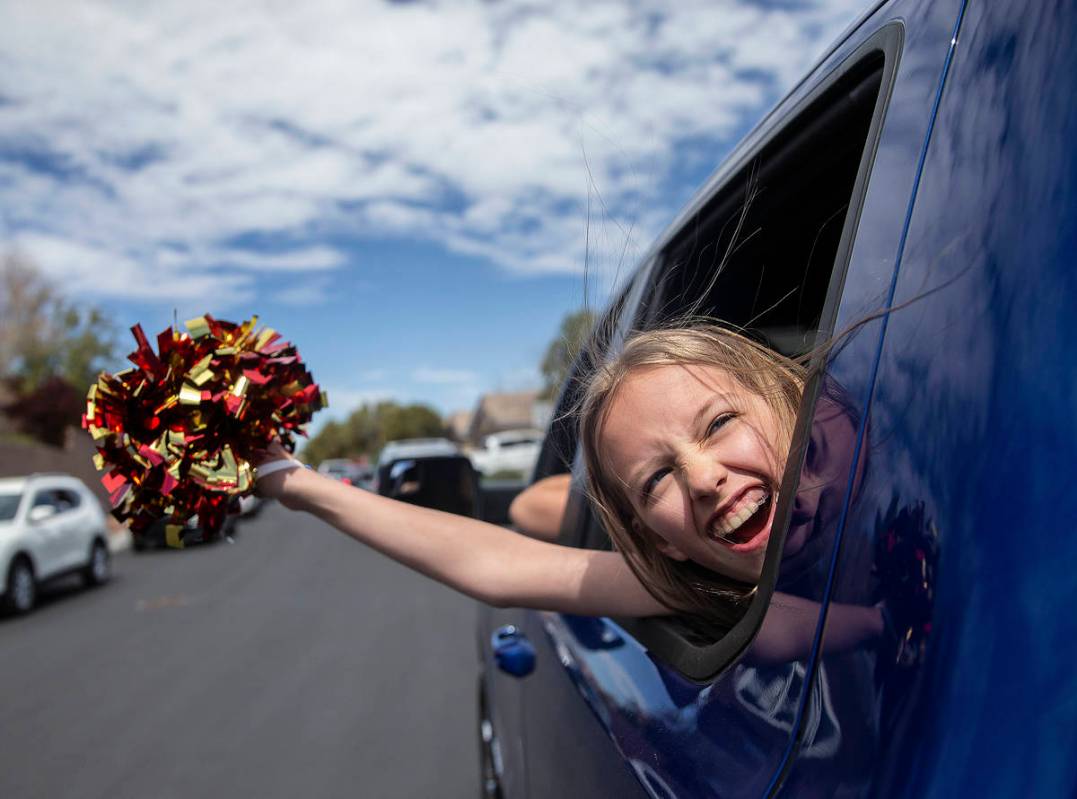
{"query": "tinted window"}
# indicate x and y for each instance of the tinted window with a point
(66, 499)
(45, 498)
(9, 506)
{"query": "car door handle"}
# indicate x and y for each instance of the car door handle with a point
(513, 653)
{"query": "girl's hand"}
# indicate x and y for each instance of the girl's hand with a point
(276, 484)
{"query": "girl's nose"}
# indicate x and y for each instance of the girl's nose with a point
(704, 475)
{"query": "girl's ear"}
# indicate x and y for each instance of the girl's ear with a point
(663, 546)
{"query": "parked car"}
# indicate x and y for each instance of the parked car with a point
(431, 472)
(251, 505)
(348, 471)
(408, 449)
(50, 526)
(907, 216)
(416, 448)
(508, 452)
(156, 535)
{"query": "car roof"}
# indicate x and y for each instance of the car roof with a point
(18, 484)
(519, 432)
(13, 484)
(417, 448)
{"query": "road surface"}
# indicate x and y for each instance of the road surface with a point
(292, 663)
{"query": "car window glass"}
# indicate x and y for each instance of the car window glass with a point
(46, 498)
(9, 506)
(66, 500)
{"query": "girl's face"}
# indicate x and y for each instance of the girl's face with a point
(694, 453)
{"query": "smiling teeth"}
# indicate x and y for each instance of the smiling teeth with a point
(730, 524)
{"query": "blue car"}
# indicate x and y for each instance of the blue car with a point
(909, 214)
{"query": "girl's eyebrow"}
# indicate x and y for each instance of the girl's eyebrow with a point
(705, 411)
(641, 473)
(709, 407)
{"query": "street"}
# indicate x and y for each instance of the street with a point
(293, 662)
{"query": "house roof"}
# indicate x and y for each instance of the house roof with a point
(459, 424)
(503, 411)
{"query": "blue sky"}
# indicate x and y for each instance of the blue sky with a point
(402, 189)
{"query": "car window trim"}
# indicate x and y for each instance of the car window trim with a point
(704, 664)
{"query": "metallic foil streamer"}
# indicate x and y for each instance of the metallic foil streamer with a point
(175, 434)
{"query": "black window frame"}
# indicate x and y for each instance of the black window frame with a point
(674, 640)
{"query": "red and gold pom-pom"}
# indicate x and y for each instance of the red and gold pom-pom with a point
(176, 434)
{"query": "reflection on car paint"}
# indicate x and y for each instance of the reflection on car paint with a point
(960, 518)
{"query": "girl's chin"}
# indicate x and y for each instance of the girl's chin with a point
(744, 567)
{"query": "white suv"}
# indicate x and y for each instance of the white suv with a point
(50, 525)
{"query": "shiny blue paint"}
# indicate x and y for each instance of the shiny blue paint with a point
(812, 662)
(975, 417)
(972, 419)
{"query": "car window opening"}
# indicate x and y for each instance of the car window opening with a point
(767, 254)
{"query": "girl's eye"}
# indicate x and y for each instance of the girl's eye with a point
(719, 422)
(652, 484)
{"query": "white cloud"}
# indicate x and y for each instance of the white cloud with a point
(176, 128)
(88, 270)
(302, 260)
(307, 293)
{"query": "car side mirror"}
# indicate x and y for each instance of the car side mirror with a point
(41, 512)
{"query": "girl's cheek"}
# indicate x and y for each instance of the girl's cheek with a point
(670, 507)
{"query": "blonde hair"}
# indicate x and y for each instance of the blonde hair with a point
(683, 585)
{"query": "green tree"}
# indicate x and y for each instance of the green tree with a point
(328, 443)
(51, 350)
(574, 332)
(369, 427)
(43, 335)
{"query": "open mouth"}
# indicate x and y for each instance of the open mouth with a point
(743, 528)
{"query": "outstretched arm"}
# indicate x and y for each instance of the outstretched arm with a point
(482, 560)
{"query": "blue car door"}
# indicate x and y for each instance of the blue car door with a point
(606, 711)
(962, 529)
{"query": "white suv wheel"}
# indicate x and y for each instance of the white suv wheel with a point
(97, 570)
(21, 589)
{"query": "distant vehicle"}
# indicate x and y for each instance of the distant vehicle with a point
(250, 505)
(416, 448)
(514, 451)
(408, 449)
(156, 535)
(410, 469)
(51, 525)
(348, 471)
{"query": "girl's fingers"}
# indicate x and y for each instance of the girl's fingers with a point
(275, 451)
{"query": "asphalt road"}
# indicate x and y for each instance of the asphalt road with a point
(292, 663)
